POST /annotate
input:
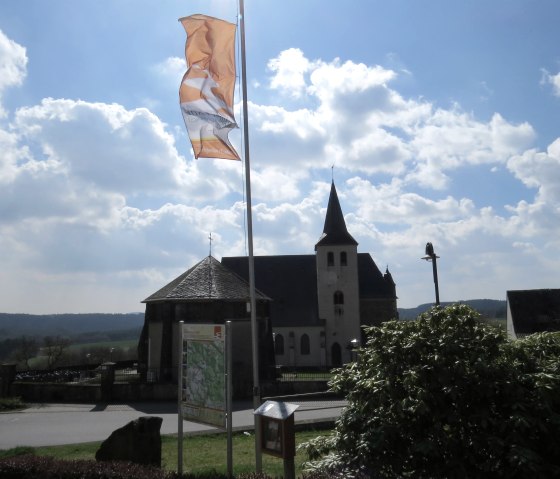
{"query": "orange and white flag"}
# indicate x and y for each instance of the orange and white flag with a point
(206, 91)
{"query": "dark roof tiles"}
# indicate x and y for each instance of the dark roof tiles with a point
(207, 280)
(291, 282)
(334, 230)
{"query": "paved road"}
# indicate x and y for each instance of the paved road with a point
(55, 424)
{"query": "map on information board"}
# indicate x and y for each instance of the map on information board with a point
(204, 369)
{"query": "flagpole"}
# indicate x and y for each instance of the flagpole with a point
(254, 329)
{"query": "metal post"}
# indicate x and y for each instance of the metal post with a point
(229, 412)
(431, 256)
(179, 401)
(289, 468)
(434, 265)
(254, 330)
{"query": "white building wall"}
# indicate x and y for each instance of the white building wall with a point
(342, 321)
(509, 324)
(293, 355)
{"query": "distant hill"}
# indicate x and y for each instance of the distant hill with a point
(83, 325)
(488, 308)
(72, 325)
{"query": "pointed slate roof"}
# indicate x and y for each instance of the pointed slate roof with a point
(207, 280)
(372, 283)
(334, 230)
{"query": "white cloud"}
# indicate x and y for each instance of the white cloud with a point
(114, 148)
(553, 80)
(451, 139)
(541, 171)
(289, 70)
(115, 206)
(363, 125)
(391, 203)
(13, 65)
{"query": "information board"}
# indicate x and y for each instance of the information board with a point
(204, 374)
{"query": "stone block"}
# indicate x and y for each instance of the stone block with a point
(139, 441)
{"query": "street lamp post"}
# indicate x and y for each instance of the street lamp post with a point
(431, 256)
(353, 348)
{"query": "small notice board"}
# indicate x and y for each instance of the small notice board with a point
(277, 424)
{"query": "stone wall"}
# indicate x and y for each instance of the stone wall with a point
(135, 392)
(91, 393)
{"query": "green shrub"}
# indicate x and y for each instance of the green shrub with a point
(446, 396)
(42, 467)
(11, 404)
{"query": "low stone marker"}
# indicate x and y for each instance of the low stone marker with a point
(139, 441)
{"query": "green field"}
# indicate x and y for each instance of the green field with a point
(201, 453)
(92, 353)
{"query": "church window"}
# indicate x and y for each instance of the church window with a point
(304, 344)
(343, 259)
(338, 303)
(279, 344)
(330, 258)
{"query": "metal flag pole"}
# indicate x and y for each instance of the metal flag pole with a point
(254, 330)
(229, 409)
(180, 400)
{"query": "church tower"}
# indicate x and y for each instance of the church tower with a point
(337, 285)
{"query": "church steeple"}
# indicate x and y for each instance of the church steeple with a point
(334, 230)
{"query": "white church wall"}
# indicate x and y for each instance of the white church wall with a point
(293, 355)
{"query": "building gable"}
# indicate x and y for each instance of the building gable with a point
(533, 311)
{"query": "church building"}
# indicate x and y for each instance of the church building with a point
(320, 301)
(310, 308)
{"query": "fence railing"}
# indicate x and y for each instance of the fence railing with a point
(124, 371)
(128, 372)
(285, 374)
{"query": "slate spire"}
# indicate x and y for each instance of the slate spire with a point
(334, 231)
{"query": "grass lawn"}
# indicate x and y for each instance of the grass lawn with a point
(201, 453)
(119, 344)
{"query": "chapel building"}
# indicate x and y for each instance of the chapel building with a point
(319, 302)
(310, 308)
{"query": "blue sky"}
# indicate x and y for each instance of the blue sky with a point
(441, 119)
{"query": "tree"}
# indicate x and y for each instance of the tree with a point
(26, 349)
(446, 396)
(55, 348)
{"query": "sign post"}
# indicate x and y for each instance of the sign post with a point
(278, 433)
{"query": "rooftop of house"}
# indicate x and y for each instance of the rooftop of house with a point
(207, 280)
(534, 311)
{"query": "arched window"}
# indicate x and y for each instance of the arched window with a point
(279, 344)
(304, 344)
(330, 258)
(343, 258)
(338, 297)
